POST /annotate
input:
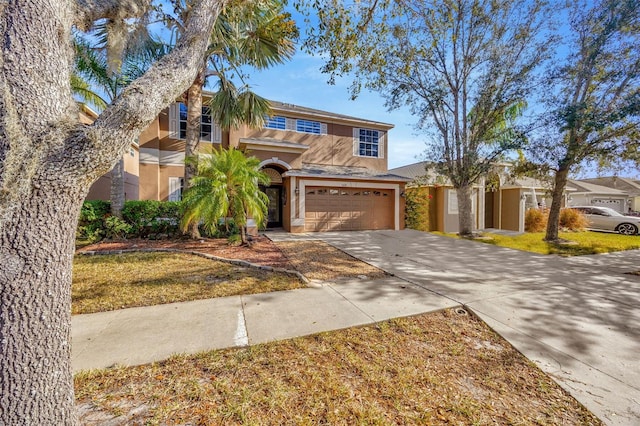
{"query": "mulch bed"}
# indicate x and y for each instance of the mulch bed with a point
(262, 252)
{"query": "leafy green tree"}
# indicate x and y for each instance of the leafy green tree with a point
(48, 161)
(460, 65)
(226, 186)
(256, 34)
(593, 98)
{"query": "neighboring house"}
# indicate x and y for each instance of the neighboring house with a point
(443, 207)
(582, 193)
(630, 186)
(328, 171)
(498, 201)
(101, 189)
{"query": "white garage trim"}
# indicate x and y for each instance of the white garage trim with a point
(299, 221)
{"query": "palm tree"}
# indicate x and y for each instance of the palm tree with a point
(95, 81)
(226, 186)
(257, 34)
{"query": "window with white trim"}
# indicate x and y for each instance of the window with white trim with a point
(368, 143)
(209, 131)
(276, 122)
(308, 126)
(176, 187)
(280, 122)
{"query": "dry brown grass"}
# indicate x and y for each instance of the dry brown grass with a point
(108, 282)
(439, 368)
(321, 261)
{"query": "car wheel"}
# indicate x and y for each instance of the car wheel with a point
(627, 229)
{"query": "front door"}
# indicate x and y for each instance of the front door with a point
(274, 214)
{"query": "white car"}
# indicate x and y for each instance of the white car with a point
(607, 219)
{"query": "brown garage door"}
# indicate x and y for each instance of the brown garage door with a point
(331, 209)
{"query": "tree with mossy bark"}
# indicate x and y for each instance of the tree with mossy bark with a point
(461, 66)
(593, 100)
(98, 82)
(48, 161)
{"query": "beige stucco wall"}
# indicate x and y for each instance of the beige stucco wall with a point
(156, 163)
(165, 172)
(332, 149)
(149, 182)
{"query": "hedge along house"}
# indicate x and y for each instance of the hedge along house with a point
(328, 171)
(498, 201)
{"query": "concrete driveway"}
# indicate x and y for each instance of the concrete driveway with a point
(578, 319)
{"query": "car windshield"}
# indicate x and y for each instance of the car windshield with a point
(610, 212)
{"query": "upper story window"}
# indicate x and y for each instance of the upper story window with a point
(368, 143)
(307, 126)
(279, 122)
(276, 122)
(209, 131)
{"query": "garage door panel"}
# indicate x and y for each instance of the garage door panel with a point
(330, 209)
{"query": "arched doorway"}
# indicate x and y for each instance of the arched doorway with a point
(275, 193)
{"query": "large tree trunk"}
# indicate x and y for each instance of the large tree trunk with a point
(47, 163)
(465, 211)
(553, 223)
(192, 142)
(36, 253)
(117, 189)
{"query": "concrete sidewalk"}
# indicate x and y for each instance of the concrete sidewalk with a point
(141, 335)
(578, 318)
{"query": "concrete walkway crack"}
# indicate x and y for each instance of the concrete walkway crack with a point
(241, 336)
(330, 285)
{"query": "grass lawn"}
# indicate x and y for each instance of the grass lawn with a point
(108, 282)
(587, 242)
(439, 368)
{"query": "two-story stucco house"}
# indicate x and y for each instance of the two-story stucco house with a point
(328, 171)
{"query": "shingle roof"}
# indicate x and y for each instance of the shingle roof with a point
(581, 186)
(419, 173)
(411, 171)
(630, 186)
(297, 109)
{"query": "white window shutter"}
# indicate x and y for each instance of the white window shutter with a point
(356, 141)
(381, 145)
(216, 133)
(175, 189)
(291, 124)
(174, 120)
(323, 128)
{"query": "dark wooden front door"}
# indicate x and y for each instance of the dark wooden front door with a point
(274, 214)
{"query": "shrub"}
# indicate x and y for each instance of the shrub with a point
(91, 221)
(535, 221)
(152, 217)
(115, 227)
(573, 220)
(417, 203)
